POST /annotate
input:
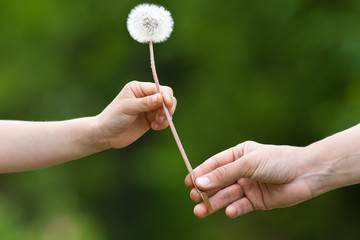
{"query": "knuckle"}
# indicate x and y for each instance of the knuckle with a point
(232, 194)
(170, 89)
(249, 144)
(244, 148)
(237, 191)
(220, 173)
(238, 151)
(132, 83)
(216, 163)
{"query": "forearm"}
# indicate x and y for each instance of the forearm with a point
(334, 161)
(31, 145)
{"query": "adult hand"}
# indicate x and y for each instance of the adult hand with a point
(251, 176)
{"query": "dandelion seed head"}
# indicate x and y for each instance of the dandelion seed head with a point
(150, 23)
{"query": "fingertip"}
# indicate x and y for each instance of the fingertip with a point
(231, 212)
(168, 90)
(192, 195)
(159, 126)
(188, 182)
(195, 196)
(200, 211)
(167, 100)
(173, 107)
(155, 126)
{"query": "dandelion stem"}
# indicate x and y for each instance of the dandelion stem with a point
(174, 132)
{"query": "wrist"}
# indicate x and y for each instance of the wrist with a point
(328, 166)
(97, 139)
(316, 169)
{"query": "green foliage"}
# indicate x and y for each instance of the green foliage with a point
(279, 71)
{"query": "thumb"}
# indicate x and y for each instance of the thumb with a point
(145, 104)
(222, 176)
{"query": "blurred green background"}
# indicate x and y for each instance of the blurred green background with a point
(272, 71)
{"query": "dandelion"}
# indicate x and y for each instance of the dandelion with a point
(148, 23)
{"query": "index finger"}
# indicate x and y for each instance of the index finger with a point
(221, 159)
(218, 160)
(143, 89)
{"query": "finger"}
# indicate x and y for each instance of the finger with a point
(244, 167)
(165, 90)
(168, 99)
(195, 196)
(221, 199)
(142, 89)
(213, 163)
(161, 121)
(167, 94)
(134, 106)
(239, 207)
(170, 102)
(241, 168)
(160, 116)
(188, 181)
(173, 107)
(160, 113)
(157, 126)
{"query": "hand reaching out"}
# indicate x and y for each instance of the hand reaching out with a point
(26, 145)
(255, 176)
(251, 176)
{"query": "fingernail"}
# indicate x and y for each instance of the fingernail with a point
(162, 118)
(203, 182)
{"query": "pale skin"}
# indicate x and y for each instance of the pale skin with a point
(252, 176)
(31, 145)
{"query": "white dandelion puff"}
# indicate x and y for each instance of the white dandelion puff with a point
(150, 23)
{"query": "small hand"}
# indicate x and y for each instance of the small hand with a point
(251, 176)
(136, 109)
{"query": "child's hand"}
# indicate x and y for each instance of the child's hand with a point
(136, 109)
